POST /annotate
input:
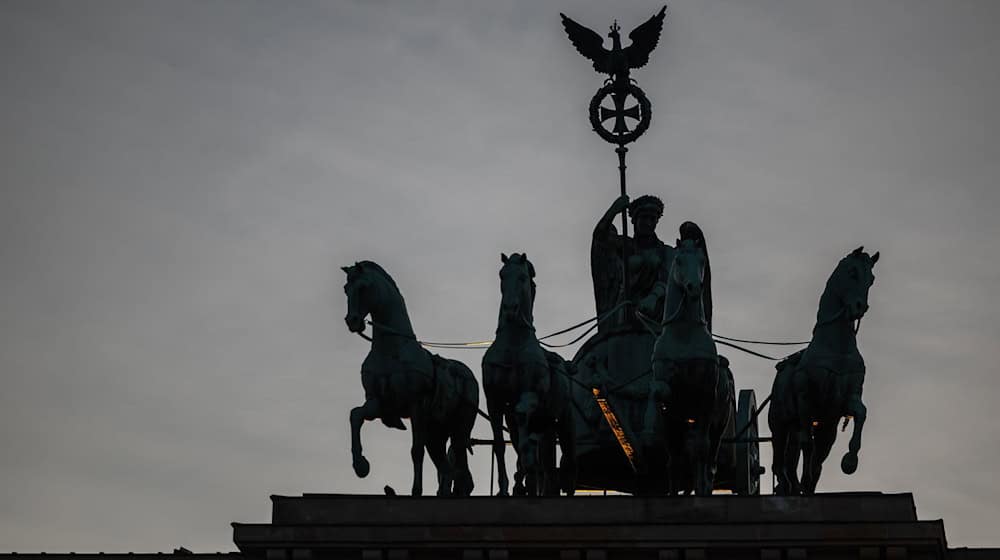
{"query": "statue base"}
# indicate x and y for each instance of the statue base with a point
(872, 526)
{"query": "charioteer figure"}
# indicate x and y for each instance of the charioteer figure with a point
(649, 261)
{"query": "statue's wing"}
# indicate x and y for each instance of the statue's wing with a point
(589, 43)
(644, 39)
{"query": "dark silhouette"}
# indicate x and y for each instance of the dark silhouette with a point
(649, 260)
(816, 387)
(403, 380)
(688, 380)
(528, 387)
(616, 61)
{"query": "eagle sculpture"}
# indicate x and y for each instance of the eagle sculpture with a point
(616, 61)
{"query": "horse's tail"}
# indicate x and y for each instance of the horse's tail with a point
(457, 393)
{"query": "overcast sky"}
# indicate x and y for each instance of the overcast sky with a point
(181, 181)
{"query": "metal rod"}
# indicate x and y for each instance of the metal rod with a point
(621, 150)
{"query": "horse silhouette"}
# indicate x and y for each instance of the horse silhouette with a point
(816, 387)
(691, 390)
(528, 387)
(401, 379)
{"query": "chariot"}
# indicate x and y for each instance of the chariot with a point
(609, 401)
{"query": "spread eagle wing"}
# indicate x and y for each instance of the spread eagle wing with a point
(590, 44)
(644, 39)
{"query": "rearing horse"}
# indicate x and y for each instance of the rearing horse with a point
(403, 380)
(816, 387)
(688, 378)
(527, 386)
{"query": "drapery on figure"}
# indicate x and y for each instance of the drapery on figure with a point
(649, 261)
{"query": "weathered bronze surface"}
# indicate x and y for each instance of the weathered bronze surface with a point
(648, 262)
(816, 387)
(403, 380)
(528, 388)
(689, 384)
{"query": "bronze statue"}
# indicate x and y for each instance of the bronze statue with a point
(528, 387)
(816, 387)
(616, 63)
(403, 380)
(689, 383)
(649, 261)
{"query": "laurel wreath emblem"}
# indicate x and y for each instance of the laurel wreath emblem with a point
(645, 115)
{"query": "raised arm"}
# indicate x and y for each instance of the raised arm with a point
(605, 229)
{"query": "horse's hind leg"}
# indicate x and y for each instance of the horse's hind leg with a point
(459, 459)
(547, 462)
(436, 448)
(823, 437)
(567, 445)
(458, 453)
(779, 442)
(859, 411)
(417, 454)
(792, 453)
(368, 411)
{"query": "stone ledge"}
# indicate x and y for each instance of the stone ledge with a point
(335, 509)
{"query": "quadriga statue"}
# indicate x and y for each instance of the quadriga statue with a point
(402, 379)
(816, 387)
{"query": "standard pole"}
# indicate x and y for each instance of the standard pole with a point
(621, 150)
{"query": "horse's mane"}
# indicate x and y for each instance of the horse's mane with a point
(378, 268)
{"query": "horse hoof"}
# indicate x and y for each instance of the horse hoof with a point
(849, 463)
(362, 467)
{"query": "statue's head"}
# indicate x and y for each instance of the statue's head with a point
(645, 212)
(517, 286)
(851, 281)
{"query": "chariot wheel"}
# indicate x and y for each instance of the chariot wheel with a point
(748, 469)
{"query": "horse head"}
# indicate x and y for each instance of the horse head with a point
(358, 289)
(849, 284)
(688, 268)
(517, 288)
(366, 294)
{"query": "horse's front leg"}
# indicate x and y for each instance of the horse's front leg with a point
(859, 411)
(659, 393)
(417, 453)
(368, 411)
(515, 440)
(495, 407)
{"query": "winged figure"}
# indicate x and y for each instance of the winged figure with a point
(616, 61)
